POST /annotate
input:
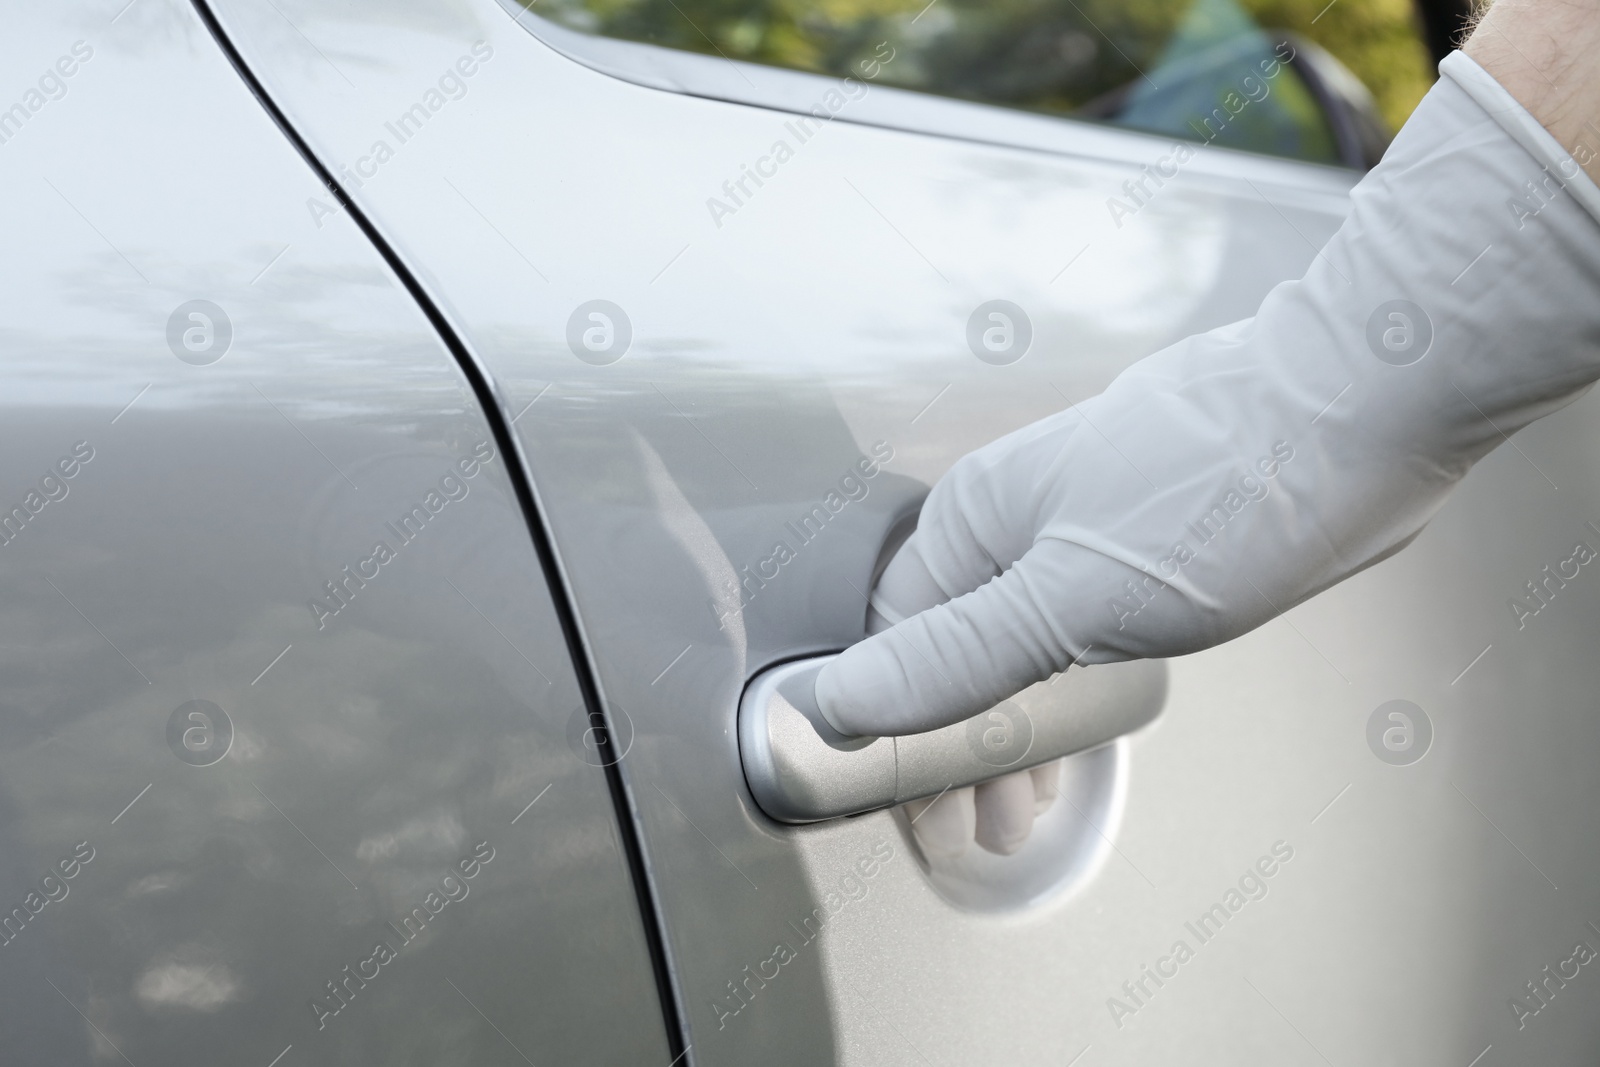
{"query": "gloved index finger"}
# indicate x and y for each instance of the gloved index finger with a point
(946, 663)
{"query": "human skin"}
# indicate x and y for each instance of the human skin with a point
(1547, 54)
(1543, 53)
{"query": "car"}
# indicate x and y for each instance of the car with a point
(434, 430)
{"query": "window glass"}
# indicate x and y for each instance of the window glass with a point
(1253, 75)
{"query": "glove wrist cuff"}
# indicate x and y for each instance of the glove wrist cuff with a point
(1520, 124)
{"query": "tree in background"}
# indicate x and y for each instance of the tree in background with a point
(1381, 41)
(1056, 56)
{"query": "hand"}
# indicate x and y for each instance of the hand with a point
(997, 815)
(1231, 476)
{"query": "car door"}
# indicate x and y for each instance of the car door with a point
(294, 766)
(738, 319)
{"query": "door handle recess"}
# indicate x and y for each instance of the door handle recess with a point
(801, 770)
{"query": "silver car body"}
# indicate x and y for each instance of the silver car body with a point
(786, 364)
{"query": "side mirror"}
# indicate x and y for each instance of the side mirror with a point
(1358, 128)
(1263, 91)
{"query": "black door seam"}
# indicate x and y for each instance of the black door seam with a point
(522, 481)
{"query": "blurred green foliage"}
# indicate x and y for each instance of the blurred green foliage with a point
(1059, 56)
(1379, 40)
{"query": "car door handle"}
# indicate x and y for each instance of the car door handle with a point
(801, 770)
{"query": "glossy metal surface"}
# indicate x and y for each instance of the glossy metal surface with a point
(800, 770)
(823, 323)
(242, 747)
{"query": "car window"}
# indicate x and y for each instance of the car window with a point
(1263, 77)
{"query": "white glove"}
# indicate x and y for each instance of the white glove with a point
(1229, 477)
(998, 814)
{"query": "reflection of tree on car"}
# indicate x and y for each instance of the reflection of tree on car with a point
(1078, 57)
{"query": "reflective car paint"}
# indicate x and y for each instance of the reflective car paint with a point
(1378, 909)
(293, 767)
(782, 331)
(786, 350)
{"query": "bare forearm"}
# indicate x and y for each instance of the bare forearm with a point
(1547, 55)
